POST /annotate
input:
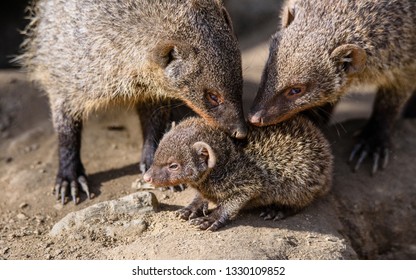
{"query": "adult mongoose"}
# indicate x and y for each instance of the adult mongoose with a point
(282, 168)
(90, 54)
(324, 48)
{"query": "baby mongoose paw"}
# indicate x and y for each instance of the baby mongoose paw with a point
(207, 223)
(70, 185)
(212, 222)
(277, 213)
(192, 212)
(375, 145)
(274, 213)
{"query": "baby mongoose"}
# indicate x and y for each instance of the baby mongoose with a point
(282, 167)
(89, 54)
(324, 48)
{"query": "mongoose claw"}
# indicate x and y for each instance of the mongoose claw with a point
(273, 213)
(178, 188)
(191, 212)
(84, 186)
(212, 222)
(64, 186)
(184, 213)
(143, 168)
(207, 223)
(379, 154)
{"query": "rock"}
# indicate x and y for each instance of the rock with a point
(100, 217)
(247, 237)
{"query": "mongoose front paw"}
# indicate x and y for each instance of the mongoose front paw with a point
(72, 185)
(212, 222)
(371, 143)
(192, 212)
(207, 223)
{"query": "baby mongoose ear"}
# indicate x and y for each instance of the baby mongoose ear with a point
(206, 152)
(351, 57)
(288, 13)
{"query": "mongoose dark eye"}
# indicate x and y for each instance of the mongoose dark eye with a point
(213, 99)
(173, 166)
(295, 92)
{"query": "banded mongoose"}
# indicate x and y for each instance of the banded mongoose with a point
(90, 54)
(324, 47)
(282, 168)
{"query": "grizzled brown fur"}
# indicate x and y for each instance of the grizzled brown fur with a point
(90, 54)
(324, 47)
(285, 166)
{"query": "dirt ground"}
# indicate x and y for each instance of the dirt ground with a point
(363, 217)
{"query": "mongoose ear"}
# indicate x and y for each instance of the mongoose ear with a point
(288, 14)
(206, 152)
(168, 51)
(164, 53)
(352, 58)
(227, 18)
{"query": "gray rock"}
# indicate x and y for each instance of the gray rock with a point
(109, 218)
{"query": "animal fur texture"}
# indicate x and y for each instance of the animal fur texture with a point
(286, 167)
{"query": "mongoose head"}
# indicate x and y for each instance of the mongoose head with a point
(201, 65)
(191, 166)
(307, 67)
(181, 158)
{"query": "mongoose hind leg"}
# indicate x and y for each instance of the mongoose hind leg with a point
(71, 173)
(275, 212)
(197, 208)
(154, 118)
(375, 138)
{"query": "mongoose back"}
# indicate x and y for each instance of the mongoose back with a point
(282, 167)
(324, 47)
(90, 54)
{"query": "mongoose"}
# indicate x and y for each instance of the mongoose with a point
(282, 168)
(324, 47)
(90, 54)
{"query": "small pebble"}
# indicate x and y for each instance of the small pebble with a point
(23, 205)
(58, 206)
(21, 216)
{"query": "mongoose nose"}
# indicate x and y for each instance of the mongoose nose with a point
(240, 132)
(256, 119)
(147, 178)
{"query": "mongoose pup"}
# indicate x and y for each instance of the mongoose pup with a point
(324, 47)
(89, 54)
(282, 167)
